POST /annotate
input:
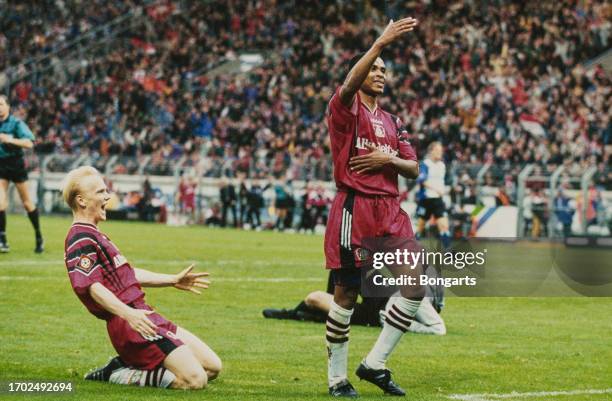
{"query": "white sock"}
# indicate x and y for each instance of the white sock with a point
(337, 336)
(398, 319)
(160, 377)
(427, 320)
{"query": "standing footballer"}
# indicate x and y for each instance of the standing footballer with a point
(152, 350)
(370, 149)
(14, 137)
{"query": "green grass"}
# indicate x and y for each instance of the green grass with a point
(494, 345)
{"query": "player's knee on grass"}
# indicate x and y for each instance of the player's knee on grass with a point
(204, 355)
(190, 375)
(213, 367)
(193, 380)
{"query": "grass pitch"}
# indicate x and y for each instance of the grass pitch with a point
(494, 345)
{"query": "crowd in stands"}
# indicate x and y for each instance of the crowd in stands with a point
(496, 82)
(35, 28)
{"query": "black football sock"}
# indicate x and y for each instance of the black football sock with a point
(33, 216)
(2, 226)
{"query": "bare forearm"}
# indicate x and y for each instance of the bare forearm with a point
(358, 74)
(22, 143)
(151, 279)
(405, 168)
(107, 300)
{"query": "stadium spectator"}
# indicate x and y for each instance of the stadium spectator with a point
(227, 194)
(255, 202)
(564, 212)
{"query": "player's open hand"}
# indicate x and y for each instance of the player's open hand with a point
(373, 161)
(139, 321)
(395, 29)
(188, 281)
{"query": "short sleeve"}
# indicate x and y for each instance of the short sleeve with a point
(83, 264)
(406, 151)
(23, 131)
(340, 117)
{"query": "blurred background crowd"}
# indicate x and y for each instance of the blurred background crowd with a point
(499, 83)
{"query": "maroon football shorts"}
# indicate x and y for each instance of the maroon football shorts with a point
(354, 217)
(137, 351)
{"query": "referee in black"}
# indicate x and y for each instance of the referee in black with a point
(14, 137)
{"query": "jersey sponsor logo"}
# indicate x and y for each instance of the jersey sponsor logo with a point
(362, 143)
(119, 260)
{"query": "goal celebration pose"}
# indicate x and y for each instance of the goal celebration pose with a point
(370, 148)
(152, 351)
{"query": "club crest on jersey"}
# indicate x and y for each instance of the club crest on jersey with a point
(119, 260)
(379, 128)
(85, 263)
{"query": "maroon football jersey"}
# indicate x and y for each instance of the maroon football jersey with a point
(350, 130)
(91, 257)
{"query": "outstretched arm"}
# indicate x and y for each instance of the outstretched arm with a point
(184, 280)
(360, 71)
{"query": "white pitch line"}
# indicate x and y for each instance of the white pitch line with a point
(214, 280)
(514, 394)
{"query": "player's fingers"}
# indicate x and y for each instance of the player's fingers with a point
(148, 312)
(202, 281)
(200, 285)
(150, 324)
(407, 24)
(181, 287)
(187, 270)
(371, 147)
(360, 159)
(195, 291)
(357, 159)
(148, 333)
(143, 328)
(406, 20)
(359, 163)
(202, 274)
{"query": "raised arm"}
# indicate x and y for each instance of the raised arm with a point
(360, 71)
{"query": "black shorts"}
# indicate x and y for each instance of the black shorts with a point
(431, 206)
(13, 169)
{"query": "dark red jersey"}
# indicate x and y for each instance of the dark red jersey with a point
(351, 129)
(91, 257)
